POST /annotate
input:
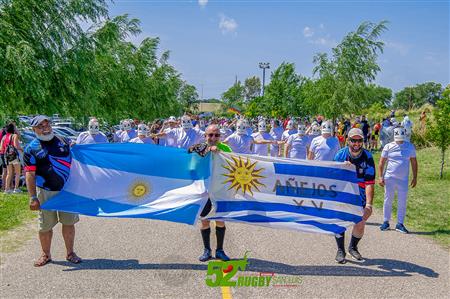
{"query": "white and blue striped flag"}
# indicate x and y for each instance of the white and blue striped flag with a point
(134, 180)
(310, 196)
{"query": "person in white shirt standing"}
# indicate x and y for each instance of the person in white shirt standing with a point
(92, 135)
(262, 134)
(128, 132)
(142, 135)
(324, 147)
(239, 141)
(398, 155)
(290, 129)
(276, 132)
(185, 136)
(297, 144)
(172, 123)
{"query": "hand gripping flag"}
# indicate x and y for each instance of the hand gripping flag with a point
(134, 180)
(310, 196)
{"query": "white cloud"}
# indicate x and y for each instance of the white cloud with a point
(227, 25)
(401, 48)
(308, 32)
(202, 3)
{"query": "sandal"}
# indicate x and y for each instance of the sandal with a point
(73, 258)
(42, 260)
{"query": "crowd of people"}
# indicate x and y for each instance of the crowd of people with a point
(46, 161)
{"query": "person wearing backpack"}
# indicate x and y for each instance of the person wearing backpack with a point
(11, 149)
(2, 160)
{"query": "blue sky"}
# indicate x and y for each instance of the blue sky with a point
(211, 42)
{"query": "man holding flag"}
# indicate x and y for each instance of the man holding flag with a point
(365, 172)
(212, 136)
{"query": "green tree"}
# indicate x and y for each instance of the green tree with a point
(252, 87)
(283, 96)
(189, 97)
(439, 132)
(234, 96)
(341, 80)
(375, 94)
(415, 96)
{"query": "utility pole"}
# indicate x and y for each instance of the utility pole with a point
(264, 66)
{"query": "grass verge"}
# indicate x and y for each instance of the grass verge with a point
(14, 211)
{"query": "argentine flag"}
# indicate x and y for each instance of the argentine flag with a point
(309, 196)
(134, 180)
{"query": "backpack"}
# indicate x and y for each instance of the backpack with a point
(10, 151)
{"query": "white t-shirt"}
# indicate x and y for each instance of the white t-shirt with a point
(126, 136)
(288, 133)
(147, 140)
(185, 138)
(167, 141)
(261, 149)
(240, 144)
(276, 134)
(224, 133)
(87, 138)
(324, 149)
(299, 146)
(398, 156)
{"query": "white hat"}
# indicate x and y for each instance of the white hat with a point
(262, 126)
(186, 122)
(172, 119)
(93, 127)
(142, 129)
(355, 132)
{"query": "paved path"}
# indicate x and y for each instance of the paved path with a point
(130, 258)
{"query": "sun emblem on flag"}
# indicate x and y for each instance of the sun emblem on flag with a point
(243, 175)
(138, 190)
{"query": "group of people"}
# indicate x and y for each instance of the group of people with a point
(47, 163)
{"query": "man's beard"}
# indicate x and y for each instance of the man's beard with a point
(45, 137)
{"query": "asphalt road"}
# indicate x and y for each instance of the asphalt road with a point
(134, 258)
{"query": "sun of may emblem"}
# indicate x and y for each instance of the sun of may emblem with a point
(243, 175)
(139, 189)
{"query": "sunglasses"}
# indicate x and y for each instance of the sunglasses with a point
(356, 140)
(213, 135)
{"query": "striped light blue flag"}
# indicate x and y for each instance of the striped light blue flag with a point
(310, 196)
(134, 180)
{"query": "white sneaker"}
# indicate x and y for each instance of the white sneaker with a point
(17, 191)
(8, 191)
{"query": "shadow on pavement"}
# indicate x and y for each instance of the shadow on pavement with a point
(434, 232)
(386, 267)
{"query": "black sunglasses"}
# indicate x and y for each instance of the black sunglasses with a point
(213, 135)
(356, 140)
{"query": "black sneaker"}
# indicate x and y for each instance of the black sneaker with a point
(206, 256)
(355, 254)
(340, 257)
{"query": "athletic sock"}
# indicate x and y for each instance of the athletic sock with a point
(205, 237)
(354, 242)
(340, 240)
(220, 235)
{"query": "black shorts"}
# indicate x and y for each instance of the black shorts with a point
(206, 209)
(3, 162)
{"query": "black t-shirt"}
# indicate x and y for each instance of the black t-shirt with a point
(51, 160)
(365, 127)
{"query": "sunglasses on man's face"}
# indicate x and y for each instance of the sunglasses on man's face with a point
(213, 135)
(356, 140)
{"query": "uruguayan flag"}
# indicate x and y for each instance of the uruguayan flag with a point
(134, 180)
(310, 196)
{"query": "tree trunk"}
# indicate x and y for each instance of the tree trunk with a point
(442, 164)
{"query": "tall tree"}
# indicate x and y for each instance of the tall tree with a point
(234, 96)
(252, 87)
(341, 79)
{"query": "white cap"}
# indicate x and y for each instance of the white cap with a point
(355, 132)
(326, 128)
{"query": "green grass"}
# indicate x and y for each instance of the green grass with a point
(14, 211)
(428, 207)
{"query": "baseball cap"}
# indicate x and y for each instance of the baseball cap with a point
(38, 119)
(355, 132)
